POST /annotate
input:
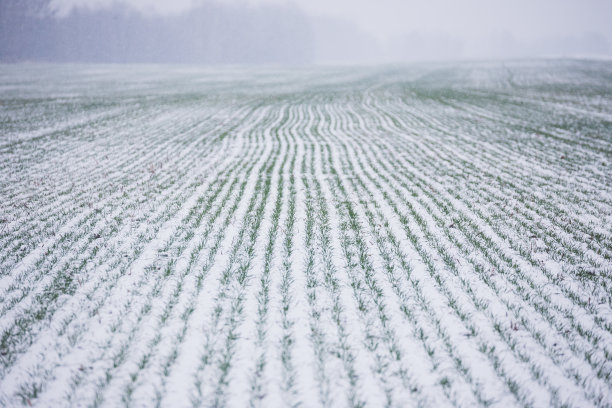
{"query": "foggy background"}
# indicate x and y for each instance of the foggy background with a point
(301, 31)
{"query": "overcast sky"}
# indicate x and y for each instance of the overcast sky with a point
(365, 31)
(466, 18)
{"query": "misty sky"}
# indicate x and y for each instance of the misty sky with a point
(327, 31)
(524, 19)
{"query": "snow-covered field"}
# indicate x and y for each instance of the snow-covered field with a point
(430, 236)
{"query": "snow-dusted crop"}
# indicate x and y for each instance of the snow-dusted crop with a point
(425, 236)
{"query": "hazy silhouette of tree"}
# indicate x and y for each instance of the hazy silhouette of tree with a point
(211, 33)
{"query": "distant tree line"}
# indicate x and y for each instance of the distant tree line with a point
(210, 33)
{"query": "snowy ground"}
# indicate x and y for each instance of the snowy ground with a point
(425, 236)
